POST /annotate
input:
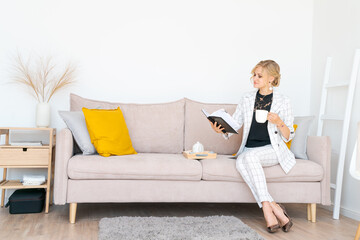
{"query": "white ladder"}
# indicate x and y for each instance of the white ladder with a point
(345, 119)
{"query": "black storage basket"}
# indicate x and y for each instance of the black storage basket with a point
(26, 201)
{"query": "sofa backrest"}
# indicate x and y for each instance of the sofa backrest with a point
(168, 127)
(153, 128)
(198, 128)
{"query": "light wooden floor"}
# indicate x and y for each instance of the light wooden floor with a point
(55, 225)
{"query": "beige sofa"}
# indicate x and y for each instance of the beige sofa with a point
(160, 173)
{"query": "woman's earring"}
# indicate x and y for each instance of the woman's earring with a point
(270, 88)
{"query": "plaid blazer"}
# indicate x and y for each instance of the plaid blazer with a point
(281, 106)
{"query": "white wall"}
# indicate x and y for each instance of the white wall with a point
(336, 33)
(155, 51)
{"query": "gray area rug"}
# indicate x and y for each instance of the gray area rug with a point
(176, 228)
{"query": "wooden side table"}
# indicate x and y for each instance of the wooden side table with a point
(28, 157)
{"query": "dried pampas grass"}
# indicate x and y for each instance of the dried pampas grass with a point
(42, 82)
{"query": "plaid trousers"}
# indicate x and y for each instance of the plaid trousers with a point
(250, 164)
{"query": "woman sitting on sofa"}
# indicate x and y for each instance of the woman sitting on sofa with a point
(262, 144)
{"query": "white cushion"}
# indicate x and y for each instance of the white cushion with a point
(298, 143)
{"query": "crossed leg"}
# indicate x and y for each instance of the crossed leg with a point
(250, 165)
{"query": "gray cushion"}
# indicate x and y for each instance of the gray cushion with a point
(75, 121)
(298, 144)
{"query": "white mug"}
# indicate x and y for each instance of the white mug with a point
(261, 116)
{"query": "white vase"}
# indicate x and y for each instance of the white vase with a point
(43, 114)
(198, 147)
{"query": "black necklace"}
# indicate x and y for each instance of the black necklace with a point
(263, 101)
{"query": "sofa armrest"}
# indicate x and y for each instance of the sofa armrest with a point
(319, 151)
(64, 151)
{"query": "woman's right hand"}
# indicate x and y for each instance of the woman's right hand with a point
(217, 128)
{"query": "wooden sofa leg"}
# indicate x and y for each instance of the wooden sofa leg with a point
(72, 213)
(313, 212)
(309, 212)
(357, 236)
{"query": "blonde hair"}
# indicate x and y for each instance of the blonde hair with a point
(272, 68)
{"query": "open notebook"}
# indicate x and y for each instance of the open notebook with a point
(224, 119)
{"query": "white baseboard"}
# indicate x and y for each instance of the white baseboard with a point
(344, 211)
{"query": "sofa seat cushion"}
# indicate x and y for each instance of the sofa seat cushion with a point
(139, 166)
(223, 168)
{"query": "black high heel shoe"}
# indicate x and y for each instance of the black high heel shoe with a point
(273, 228)
(289, 224)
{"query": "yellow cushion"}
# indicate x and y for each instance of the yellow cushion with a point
(288, 144)
(108, 131)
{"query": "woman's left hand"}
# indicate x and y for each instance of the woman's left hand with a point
(274, 118)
